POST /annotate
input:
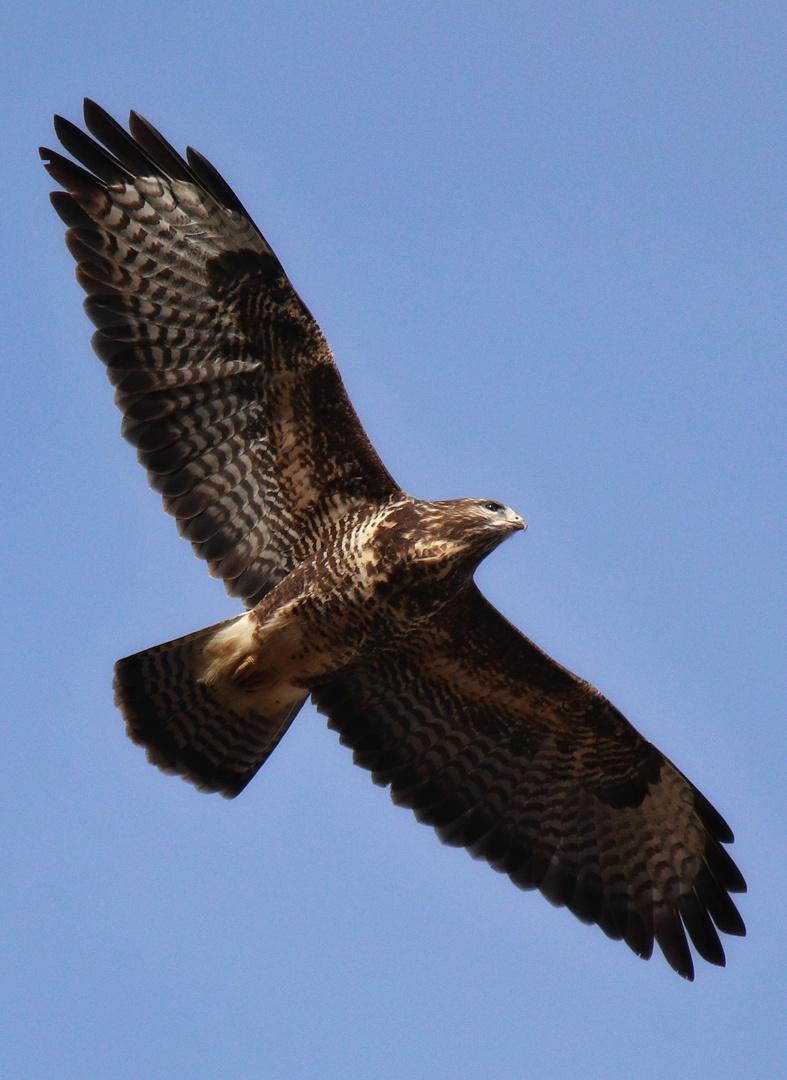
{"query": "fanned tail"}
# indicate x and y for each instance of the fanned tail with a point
(179, 703)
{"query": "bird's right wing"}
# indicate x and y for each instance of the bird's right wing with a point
(228, 388)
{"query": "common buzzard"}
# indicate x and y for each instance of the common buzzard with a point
(356, 593)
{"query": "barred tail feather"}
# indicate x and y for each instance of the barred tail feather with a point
(190, 725)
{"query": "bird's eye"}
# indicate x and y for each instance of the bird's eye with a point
(494, 507)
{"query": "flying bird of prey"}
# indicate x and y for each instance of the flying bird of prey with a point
(357, 594)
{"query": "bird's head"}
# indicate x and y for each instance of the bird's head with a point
(493, 515)
(457, 533)
(480, 525)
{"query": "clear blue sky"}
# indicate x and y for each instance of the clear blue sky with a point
(547, 243)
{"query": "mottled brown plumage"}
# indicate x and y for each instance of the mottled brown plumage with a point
(358, 595)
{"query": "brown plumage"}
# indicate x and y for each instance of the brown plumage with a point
(358, 595)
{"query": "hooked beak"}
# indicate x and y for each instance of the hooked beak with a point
(517, 523)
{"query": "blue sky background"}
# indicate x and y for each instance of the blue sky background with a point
(547, 243)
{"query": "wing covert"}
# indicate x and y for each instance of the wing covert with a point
(508, 754)
(228, 389)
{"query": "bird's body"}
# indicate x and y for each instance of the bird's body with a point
(364, 591)
(357, 594)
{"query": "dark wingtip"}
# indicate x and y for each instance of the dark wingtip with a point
(68, 210)
(86, 150)
(713, 820)
(116, 139)
(158, 149)
(213, 182)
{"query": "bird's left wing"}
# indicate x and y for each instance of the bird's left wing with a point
(508, 754)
